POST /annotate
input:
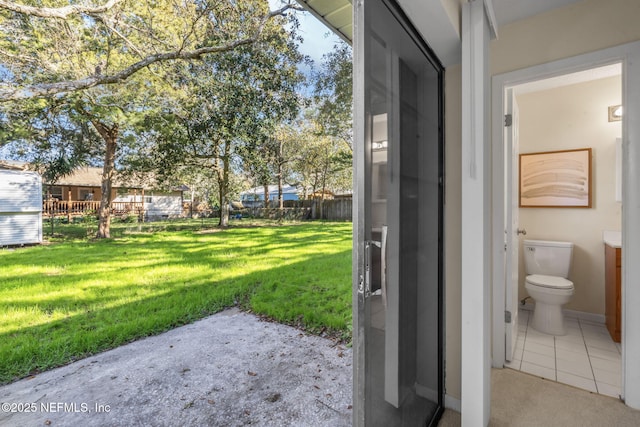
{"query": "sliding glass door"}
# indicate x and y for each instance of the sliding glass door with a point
(398, 251)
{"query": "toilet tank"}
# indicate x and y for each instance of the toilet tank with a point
(547, 257)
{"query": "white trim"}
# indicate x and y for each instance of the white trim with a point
(629, 55)
(426, 392)
(498, 106)
(476, 234)
(452, 403)
(582, 315)
(631, 225)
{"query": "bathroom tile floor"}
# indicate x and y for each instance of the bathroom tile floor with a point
(586, 357)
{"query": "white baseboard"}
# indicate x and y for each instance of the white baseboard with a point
(582, 315)
(589, 317)
(452, 403)
(426, 392)
(432, 395)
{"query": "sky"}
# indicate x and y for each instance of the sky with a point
(318, 39)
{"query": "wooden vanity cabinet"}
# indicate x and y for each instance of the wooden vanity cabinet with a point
(613, 276)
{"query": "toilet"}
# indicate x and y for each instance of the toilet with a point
(547, 265)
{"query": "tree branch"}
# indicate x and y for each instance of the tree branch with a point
(10, 93)
(57, 12)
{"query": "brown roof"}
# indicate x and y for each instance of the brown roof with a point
(14, 165)
(91, 177)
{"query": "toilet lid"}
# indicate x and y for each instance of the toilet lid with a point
(550, 281)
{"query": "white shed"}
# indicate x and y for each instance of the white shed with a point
(20, 207)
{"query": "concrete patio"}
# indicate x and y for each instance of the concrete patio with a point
(229, 369)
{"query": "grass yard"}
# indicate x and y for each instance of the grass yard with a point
(65, 301)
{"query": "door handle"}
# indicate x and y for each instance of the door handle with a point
(382, 244)
(383, 265)
(364, 285)
(521, 231)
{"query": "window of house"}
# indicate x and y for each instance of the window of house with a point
(85, 194)
(56, 192)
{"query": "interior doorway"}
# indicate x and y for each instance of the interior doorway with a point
(560, 114)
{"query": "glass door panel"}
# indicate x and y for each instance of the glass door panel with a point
(398, 335)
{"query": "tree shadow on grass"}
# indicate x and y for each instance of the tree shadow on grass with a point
(313, 292)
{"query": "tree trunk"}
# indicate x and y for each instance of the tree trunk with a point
(280, 198)
(267, 196)
(324, 188)
(110, 136)
(224, 209)
(223, 185)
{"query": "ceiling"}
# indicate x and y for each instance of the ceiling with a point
(508, 11)
(336, 14)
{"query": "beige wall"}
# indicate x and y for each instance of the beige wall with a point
(453, 226)
(579, 28)
(452, 8)
(568, 118)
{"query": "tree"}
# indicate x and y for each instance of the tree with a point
(234, 100)
(42, 43)
(267, 160)
(321, 162)
(52, 138)
(334, 95)
(88, 58)
(285, 150)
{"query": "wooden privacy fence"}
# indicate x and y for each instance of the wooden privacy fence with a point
(331, 210)
(335, 210)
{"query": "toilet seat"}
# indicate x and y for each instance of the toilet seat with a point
(552, 282)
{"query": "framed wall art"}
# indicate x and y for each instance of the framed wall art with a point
(556, 179)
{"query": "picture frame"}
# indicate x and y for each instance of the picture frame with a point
(556, 179)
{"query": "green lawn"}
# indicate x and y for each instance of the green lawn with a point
(65, 301)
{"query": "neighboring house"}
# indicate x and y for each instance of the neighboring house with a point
(404, 52)
(20, 206)
(80, 193)
(254, 197)
(157, 204)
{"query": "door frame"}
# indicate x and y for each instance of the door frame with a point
(512, 242)
(361, 156)
(629, 56)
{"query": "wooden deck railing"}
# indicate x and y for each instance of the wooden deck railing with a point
(71, 208)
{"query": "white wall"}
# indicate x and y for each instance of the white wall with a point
(161, 205)
(566, 118)
(20, 207)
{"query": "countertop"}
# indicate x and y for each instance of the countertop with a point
(612, 238)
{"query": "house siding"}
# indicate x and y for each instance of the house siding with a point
(20, 208)
(165, 205)
(161, 205)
